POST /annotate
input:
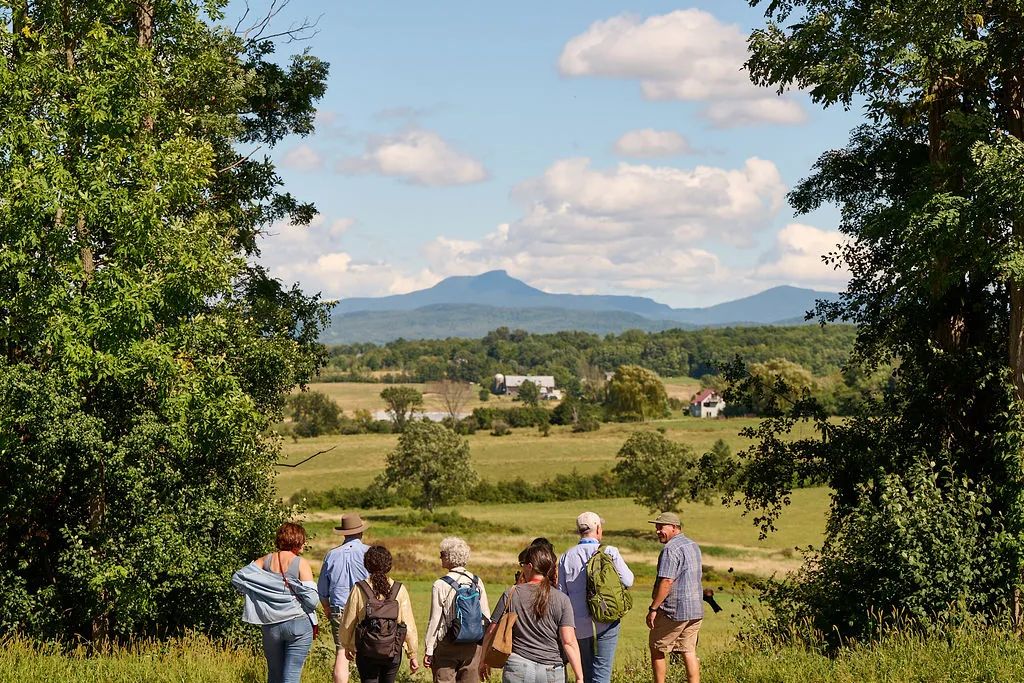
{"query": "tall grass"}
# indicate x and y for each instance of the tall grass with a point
(963, 655)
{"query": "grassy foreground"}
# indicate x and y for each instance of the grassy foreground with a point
(963, 656)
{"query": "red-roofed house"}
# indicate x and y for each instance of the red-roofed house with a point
(707, 403)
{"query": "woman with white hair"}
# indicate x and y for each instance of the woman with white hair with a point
(458, 600)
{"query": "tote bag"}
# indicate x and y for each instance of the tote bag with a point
(498, 646)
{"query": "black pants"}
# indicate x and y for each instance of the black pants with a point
(377, 671)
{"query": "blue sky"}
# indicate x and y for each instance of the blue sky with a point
(582, 146)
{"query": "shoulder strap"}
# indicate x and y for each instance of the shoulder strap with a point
(367, 590)
(508, 599)
(472, 577)
(395, 587)
(451, 582)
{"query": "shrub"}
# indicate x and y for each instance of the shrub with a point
(500, 428)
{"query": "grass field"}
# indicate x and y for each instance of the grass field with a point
(526, 453)
(352, 396)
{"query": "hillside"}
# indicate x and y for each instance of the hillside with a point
(470, 306)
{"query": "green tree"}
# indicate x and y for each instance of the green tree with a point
(433, 463)
(402, 403)
(783, 382)
(314, 413)
(932, 204)
(635, 393)
(143, 357)
(529, 393)
(658, 472)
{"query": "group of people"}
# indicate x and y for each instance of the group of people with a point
(560, 611)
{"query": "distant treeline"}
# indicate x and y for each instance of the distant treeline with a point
(673, 353)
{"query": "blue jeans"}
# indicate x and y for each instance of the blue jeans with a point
(598, 654)
(521, 670)
(286, 646)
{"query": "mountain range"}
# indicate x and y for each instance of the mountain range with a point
(471, 306)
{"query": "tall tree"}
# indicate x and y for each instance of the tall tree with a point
(402, 403)
(635, 393)
(142, 354)
(927, 508)
(432, 463)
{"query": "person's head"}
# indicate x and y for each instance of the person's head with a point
(540, 540)
(378, 564)
(351, 526)
(590, 525)
(454, 552)
(667, 526)
(540, 567)
(290, 537)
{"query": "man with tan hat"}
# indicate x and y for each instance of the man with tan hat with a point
(677, 606)
(342, 569)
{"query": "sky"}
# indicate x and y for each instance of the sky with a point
(582, 146)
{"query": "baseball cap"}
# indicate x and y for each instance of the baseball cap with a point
(587, 522)
(667, 518)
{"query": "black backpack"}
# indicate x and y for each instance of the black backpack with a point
(379, 635)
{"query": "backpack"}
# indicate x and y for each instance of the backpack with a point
(607, 599)
(468, 620)
(379, 636)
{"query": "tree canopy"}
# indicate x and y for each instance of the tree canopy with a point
(932, 208)
(431, 463)
(635, 393)
(402, 403)
(142, 354)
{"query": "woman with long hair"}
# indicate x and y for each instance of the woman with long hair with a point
(281, 598)
(378, 591)
(544, 627)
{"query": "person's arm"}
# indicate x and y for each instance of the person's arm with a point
(323, 584)
(567, 634)
(485, 606)
(625, 573)
(662, 588)
(305, 570)
(412, 637)
(433, 622)
(353, 610)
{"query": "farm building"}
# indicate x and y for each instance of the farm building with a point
(707, 403)
(509, 384)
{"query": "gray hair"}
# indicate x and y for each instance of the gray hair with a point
(455, 551)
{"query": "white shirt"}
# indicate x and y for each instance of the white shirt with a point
(442, 599)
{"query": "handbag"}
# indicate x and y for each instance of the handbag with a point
(316, 626)
(498, 645)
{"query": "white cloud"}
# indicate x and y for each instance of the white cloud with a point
(647, 143)
(630, 228)
(303, 158)
(797, 258)
(684, 55)
(418, 157)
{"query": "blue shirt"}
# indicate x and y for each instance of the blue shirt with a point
(680, 561)
(342, 569)
(572, 580)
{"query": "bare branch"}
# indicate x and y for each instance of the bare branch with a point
(239, 162)
(258, 29)
(302, 462)
(241, 19)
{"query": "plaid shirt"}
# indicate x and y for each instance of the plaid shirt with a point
(680, 561)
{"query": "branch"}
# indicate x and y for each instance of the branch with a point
(302, 462)
(240, 161)
(303, 30)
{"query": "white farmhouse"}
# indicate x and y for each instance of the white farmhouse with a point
(707, 403)
(509, 384)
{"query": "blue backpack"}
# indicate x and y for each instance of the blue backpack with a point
(468, 621)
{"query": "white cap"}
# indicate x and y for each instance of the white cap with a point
(588, 522)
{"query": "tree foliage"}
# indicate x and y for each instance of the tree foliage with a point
(635, 393)
(529, 393)
(314, 414)
(932, 204)
(431, 464)
(142, 356)
(659, 473)
(402, 402)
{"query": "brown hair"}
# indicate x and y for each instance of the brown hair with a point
(543, 561)
(290, 537)
(378, 562)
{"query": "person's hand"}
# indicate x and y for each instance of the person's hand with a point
(351, 654)
(651, 616)
(414, 665)
(427, 660)
(485, 671)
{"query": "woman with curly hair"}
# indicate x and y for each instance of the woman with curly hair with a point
(369, 614)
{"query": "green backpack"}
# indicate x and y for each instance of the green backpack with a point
(607, 599)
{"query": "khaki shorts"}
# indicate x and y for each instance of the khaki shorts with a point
(336, 616)
(674, 636)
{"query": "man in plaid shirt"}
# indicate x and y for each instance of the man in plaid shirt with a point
(677, 608)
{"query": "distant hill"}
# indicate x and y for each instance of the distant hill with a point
(471, 306)
(471, 321)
